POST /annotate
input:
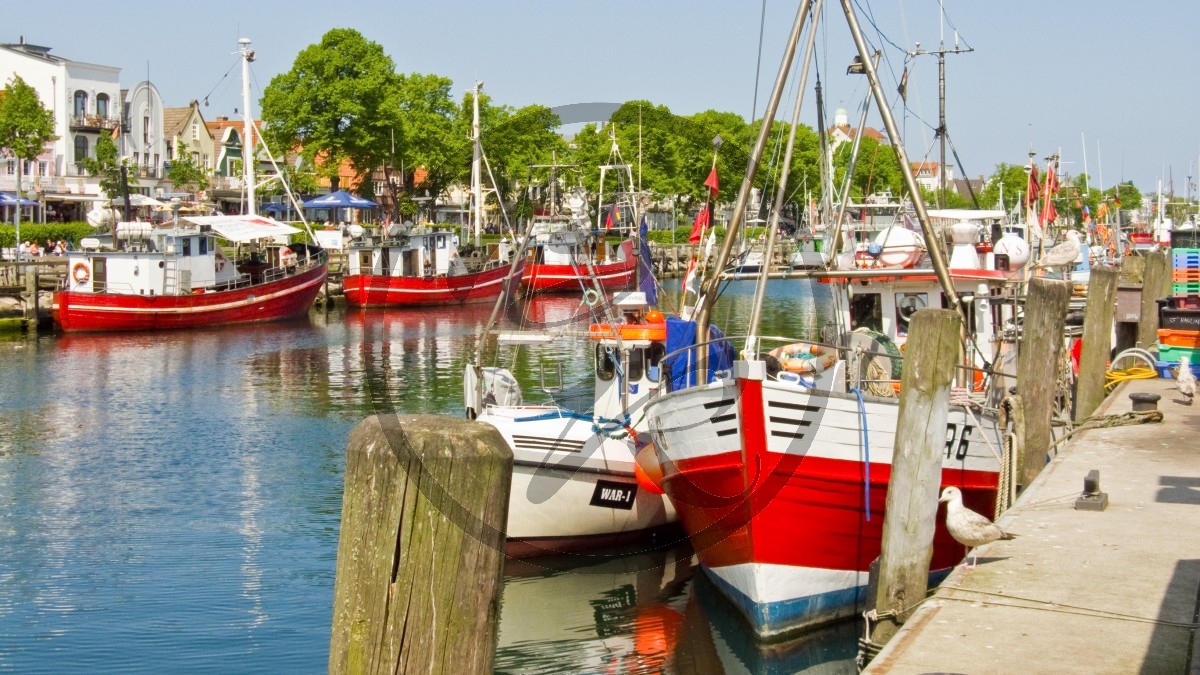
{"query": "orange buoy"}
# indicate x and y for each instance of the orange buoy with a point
(648, 470)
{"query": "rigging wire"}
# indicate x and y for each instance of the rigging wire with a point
(236, 63)
(762, 24)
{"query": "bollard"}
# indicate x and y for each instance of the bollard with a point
(421, 547)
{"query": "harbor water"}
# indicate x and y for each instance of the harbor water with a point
(170, 502)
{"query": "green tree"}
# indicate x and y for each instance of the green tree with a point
(877, 169)
(426, 136)
(105, 165)
(26, 126)
(1009, 180)
(338, 103)
(184, 173)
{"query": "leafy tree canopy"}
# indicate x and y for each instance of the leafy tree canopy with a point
(106, 165)
(26, 126)
(339, 102)
(184, 173)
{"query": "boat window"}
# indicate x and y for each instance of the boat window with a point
(364, 262)
(203, 245)
(187, 245)
(637, 364)
(605, 366)
(907, 304)
(654, 354)
(441, 241)
(969, 307)
(866, 311)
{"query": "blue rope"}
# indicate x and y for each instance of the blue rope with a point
(862, 411)
(554, 415)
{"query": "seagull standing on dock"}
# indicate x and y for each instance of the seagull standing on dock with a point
(967, 527)
(1186, 379)
(1061, 255)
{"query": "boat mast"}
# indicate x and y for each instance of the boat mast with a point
(247, 123)
(476, 172)
(773, 226)
(936, 255)
(708, 290)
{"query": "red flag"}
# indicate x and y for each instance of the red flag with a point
(614, 216)
(1034, 188)
(711, 181)
(698, 226)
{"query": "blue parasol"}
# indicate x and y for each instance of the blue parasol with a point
(339, 200)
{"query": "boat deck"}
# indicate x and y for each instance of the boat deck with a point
(1113, 591)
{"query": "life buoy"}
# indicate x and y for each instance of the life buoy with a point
(802, 357)
(220, 259)
(80, 273)
(287, 257)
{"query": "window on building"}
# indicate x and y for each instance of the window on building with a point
(146, 129)
(81, 148)
(102, 105)
(80, 103)
(42, 169)
(195, 131)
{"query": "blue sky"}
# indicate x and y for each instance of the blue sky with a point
(1058, 74)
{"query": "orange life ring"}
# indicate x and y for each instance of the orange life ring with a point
(801, 357)
(80, 273)
(629, 331)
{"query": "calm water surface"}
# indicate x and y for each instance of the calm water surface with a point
(170, 502)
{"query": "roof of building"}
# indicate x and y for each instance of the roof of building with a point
(850, 132)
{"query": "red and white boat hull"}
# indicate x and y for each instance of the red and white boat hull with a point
(543, 278)
(283, 298)
(783, 501)
(367, 290)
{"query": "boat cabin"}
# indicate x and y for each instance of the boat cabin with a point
(628, 357)
(401, 253)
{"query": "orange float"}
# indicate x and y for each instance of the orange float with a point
(628, 331)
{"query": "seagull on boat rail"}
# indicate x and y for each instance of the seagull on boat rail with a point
(967, 527)
(1062, 254)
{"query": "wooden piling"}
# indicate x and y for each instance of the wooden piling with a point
(1156, 283)
(1037, 368)
(421, 550)
(31, 294)
(1097, 340)
(912, 495)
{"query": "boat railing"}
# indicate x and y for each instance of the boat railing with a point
(862, 371)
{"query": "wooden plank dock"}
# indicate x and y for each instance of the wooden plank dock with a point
(1112, 591)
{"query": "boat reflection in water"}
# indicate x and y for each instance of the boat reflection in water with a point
(644, 612)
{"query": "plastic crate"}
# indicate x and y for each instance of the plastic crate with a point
(1186, 288)
(1168, 370)
(1185, 261)
(1179, 338)
(1170, 353)
(1184, 301)
(1178, 319)
(1185, 251)
(1187, 276)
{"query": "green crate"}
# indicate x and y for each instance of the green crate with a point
(1170, 353)
(1185, 251)
(1185, 288)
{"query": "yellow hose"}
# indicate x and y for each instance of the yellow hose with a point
(1114, 377)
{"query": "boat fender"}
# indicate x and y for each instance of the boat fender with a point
(80, 273)
(648, 470)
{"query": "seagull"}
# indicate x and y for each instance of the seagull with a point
(967, 527)
(1186, 379)
(1062, 254)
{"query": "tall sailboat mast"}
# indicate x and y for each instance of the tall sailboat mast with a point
(476, 168)
(247, 125)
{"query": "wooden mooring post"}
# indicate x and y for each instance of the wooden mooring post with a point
(1097, 340)
(1037, 368)
(421, 550)
(31, 294)
(1156, 283)
(912, 495)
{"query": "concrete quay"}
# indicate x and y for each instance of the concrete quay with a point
(1113, 591)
